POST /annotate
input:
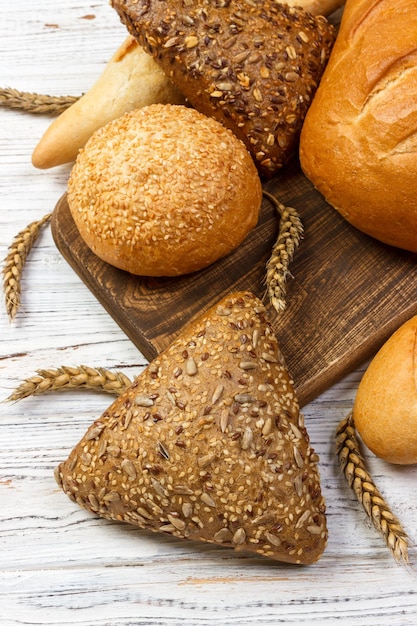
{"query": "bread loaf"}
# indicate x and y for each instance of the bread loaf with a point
(130, 80)
(254, 66)
(358, 145)
(164, 191)
(385, 408)
(209, 444)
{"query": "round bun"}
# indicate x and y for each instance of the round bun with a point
(164, 191)
(385, 408)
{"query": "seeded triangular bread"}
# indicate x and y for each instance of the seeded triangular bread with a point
(208, 444)
(254, 66)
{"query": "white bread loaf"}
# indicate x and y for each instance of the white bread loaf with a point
(385, 409)
(358, 144)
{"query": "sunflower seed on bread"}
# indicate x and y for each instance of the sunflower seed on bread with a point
(254, 66)
(203, 447)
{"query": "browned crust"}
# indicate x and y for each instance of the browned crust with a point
(385, 409)
(359, 141)
(252, 66)
(175, 192)
(209, 444)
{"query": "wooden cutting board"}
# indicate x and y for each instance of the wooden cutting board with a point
(346, 295)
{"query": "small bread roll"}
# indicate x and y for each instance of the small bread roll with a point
(164, 191)
(253, 66)
(385, 409)
(208, 444)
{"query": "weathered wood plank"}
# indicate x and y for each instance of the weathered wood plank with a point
(58, 564)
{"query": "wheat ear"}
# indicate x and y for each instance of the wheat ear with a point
(374, 504)
(15, 262)
(65, 377)
(35, 102)
(277, 267)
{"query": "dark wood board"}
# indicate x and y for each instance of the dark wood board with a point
(347, 293)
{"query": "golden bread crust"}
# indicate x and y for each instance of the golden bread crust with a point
(385, 409)
(164, 191)
(358, 144)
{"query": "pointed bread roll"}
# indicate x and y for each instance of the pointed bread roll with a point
(253, 66)
(209, 444)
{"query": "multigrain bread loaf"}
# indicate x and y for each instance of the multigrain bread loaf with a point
(385, 408)
(358, 145)
(254, 66)
(209, 444)
(164, 191)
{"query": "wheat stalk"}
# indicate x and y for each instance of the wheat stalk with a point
(277, 267)
(35, 102)
(367, 493)
(15, 262)
(66, 377)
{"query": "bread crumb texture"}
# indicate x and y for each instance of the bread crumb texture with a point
(209, 444)
(164, 190)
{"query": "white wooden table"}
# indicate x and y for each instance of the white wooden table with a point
(59, 564)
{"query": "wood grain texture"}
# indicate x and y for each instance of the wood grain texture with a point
(58, 564)
(347, 295)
